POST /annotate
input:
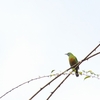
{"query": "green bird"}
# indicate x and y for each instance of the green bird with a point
(73, 61)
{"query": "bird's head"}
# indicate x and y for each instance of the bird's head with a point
(69, 53)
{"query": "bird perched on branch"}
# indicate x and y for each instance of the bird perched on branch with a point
(73, 61)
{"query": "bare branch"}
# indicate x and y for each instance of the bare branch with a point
(75, 66)
(86, 58)
(92, 51)
(93, 55)
(59, 85)
(48, 83)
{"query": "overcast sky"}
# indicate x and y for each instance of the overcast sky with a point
(34, 37)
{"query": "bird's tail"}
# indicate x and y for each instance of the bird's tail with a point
(76, 73)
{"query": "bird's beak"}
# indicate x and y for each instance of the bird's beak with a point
(66, 53)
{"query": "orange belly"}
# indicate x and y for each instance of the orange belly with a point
(72, 61)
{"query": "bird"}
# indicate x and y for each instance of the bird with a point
(73, 61)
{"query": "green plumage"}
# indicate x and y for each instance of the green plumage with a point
(73, 61)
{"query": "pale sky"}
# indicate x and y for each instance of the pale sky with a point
(34, 37)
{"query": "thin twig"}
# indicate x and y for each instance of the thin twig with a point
(59, 85)
(48, 83)
(65, 71)
(32, 80)
(93, 55)
(54, 79)
(62, 81)
(92, 51)
(23, 84)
